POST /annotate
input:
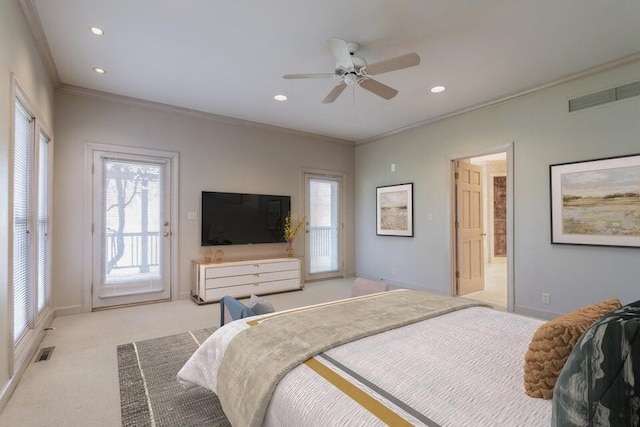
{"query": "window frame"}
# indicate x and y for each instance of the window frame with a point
(20, 351)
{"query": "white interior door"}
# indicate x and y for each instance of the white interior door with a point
(131, 229)
(469, 228)
(323, 232)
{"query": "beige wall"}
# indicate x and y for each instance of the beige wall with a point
(18, 54)
(543, 133)
(213, 156)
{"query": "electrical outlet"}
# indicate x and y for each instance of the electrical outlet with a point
(545, 298)
(192, 215)
(393, 271)
(393, 167)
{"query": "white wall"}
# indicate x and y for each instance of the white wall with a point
(213, 156)
(18, 54)
(543, 133)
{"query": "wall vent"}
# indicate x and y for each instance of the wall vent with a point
(605, 96)
(45, 354)
(628, 90)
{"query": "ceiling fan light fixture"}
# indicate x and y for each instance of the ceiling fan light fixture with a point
(97, 31)
(280, 98)
(350, 78)
(438, 89)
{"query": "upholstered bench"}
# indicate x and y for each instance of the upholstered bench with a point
(231, 309)
(365, 287)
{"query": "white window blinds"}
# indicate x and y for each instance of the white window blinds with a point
(324, 225)
(132, 218)
(23, 155)
(43, 222)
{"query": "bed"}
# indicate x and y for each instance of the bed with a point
(458, 366)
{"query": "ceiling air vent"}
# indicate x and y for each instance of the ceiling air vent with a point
(605, 96)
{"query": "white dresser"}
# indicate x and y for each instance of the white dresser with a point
(210, 282)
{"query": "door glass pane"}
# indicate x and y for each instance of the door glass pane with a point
(132, 221)
(323, 225)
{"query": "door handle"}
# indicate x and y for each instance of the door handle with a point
(165, 234)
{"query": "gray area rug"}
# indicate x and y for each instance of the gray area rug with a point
(150, 394)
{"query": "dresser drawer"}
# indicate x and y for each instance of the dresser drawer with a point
(215, 294)
(231, 270)
(279, 266)
(244, 269)
(249, 279)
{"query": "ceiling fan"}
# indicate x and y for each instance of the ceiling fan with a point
(351, 69)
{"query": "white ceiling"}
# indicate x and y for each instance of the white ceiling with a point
(228, 57)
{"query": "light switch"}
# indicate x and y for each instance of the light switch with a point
(393, 167)
(430, 217)
(192, 215)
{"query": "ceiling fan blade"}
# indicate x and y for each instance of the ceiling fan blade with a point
(341, 53)
(399, 62)
(378, 88)
(309, 76)
(335, 93)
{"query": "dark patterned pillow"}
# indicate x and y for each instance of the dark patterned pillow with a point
(600, 382)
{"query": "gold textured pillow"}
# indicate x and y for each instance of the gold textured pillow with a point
(552, 343)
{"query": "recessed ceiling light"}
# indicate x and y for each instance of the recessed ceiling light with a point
(99, 70)
(438, 89)
(97, 31)
(280, 98)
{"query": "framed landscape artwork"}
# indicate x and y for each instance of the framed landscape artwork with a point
(596, 202)
(394, 210)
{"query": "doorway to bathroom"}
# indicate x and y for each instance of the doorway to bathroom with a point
(480, 228)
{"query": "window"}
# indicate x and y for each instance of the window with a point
(31, 221)
(43, 222)
(22, 163)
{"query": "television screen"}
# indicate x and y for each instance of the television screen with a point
(235, 219)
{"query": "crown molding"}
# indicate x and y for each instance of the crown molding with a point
(35, 25)
(569, 77)
(151, 105)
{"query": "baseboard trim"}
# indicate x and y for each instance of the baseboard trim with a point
(534, 312)
(25, 360)
(184, 295)
(68, 311)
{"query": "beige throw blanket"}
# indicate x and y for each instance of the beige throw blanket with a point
(260, 356)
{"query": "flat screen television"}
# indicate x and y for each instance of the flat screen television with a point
(239, 218)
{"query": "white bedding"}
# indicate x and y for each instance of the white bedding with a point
(460, 369)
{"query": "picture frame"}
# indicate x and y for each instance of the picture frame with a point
(394, 210)
(596, 202)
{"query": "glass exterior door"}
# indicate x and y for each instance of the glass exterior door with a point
(323, 227)
(131, 229)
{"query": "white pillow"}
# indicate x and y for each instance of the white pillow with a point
(260, 305)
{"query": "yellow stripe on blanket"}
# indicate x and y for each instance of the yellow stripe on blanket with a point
(377, 408)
